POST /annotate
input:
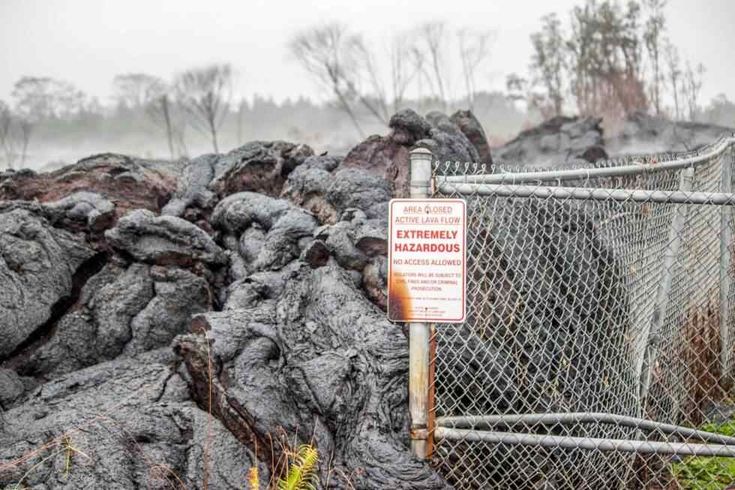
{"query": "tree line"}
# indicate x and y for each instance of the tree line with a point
(607, 59)
(610, 59)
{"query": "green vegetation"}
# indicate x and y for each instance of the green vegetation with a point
(302, 472)
(708, 473)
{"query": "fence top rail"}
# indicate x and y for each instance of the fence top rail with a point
(692, 159)
(585, 193)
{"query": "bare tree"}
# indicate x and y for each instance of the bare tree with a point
(431, 43)
(520, 89)
(8, 134)
(548, 62)
(241, 108)
(330, 54)
(204, 94)
(33, 102)
(653, 39)
(136, 90)
(367, 72)
(692, 88)
(41, 98)
(474, 49)
(404, 67)
(673, 65)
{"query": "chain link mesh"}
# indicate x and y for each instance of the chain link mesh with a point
(563, 297)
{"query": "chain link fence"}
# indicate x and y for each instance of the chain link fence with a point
(597, 351)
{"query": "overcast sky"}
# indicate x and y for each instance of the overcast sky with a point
(87, 42)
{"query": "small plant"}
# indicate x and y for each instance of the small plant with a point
(302, 471)
(707, 473)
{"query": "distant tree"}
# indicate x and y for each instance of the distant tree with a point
(430, 50)
(605, 58)
(165, 113)
(673, 74)
(520, 89)
(548, 62)
(40, 98)
(204, 95)
(403, 68)
(474, 51)
(136, 90)
(692, 88)
(330, 54)
(653, 39)
(241, 108)
(8, 134)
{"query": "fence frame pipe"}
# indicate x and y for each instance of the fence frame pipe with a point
(588, 443)
(650, 336)
(725, 263)
(590, 173)
(586, 193)
(525, 420)
(419, 372)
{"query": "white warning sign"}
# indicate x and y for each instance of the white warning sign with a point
(427, 260)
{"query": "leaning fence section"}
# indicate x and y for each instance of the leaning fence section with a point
(597, 351)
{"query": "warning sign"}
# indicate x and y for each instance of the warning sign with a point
(427, 270)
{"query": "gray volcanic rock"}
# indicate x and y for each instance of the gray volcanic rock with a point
(127, 182)
(447, 141)
(558, 142)
(355, 238)
(192, 188)
(38, 264)
(267, 233)
(164, 240)
(642, 133)
(122, 424)
(328, 195)
(388, 156)
(472, 129)
(121, 311)
(260, 166)
(303, 364)
(88, 209)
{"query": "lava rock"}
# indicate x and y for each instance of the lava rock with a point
(559, 142)
(192, 188)
(328, 195)
(260, 166)
(122, 424)
(472, 129)
(643, 133)
(89, 209)
(267, 233)
(293, 367)
(39, 266)
(127, 182)
(164, 240)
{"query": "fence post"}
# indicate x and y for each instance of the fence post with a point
(419, 333)
(725, 259)
(662, 296)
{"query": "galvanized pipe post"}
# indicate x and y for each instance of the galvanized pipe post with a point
(651, 336)
(419, 333)
(725, 264)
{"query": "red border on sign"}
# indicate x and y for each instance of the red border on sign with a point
(464, 260)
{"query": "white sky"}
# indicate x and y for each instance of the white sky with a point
(87, 42)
